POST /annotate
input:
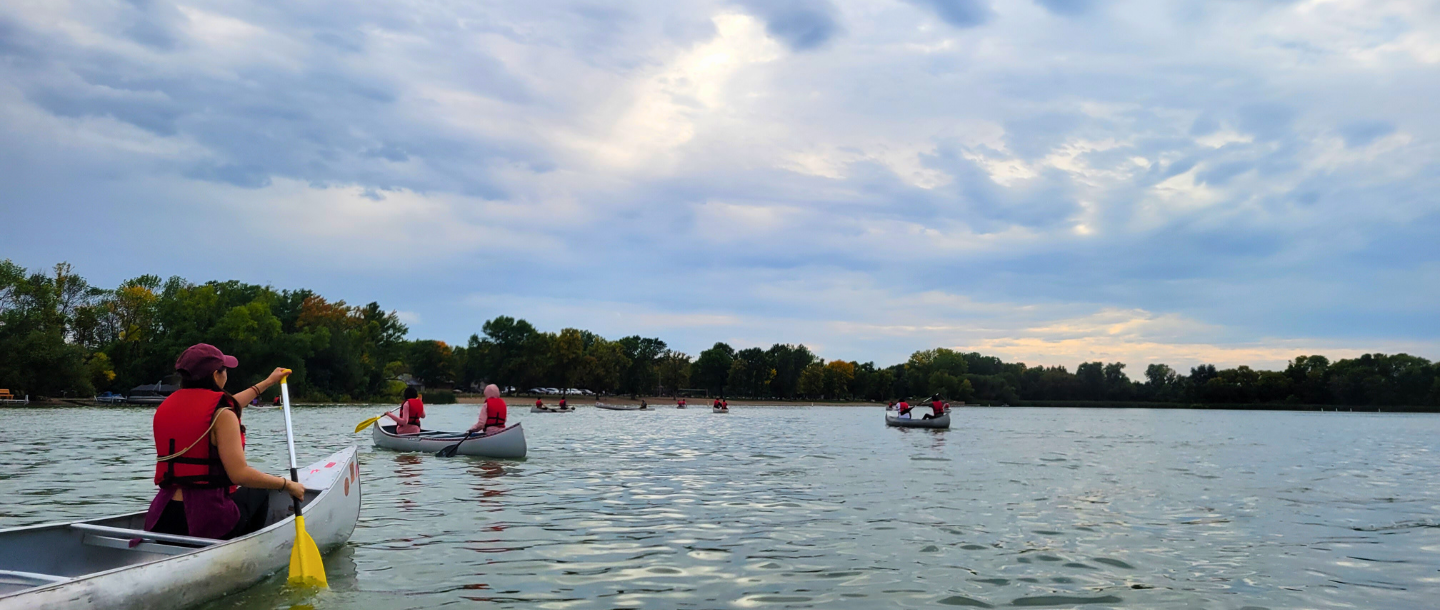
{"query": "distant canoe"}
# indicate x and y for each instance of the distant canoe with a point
(507, 443)
(608, 407)
(549, 410)
(939, 422)
(719, 410)
(112, 562)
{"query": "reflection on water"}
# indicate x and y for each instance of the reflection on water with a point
(825, 507)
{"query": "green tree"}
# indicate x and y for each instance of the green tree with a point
(812, 381)
(712, 368)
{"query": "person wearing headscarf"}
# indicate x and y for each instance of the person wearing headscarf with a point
(492, 415)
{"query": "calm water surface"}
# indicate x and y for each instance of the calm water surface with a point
(824, 507)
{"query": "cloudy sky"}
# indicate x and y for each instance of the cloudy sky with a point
(1050, 181)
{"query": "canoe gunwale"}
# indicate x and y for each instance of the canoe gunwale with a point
(938, 423)
(506, 444)
(188, 577)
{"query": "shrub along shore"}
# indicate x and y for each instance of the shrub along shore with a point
(60, 337)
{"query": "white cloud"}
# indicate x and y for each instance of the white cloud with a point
(1160, 180)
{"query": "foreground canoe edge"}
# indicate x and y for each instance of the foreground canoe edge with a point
(90, 564)
(942, 422)
(507, 443)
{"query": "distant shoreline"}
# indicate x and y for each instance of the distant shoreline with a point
(663, 402)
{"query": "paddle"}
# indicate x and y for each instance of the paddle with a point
(369, 422)
(306, 569)
(449, 451)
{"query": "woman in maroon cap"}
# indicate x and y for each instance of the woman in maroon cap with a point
(206, 488)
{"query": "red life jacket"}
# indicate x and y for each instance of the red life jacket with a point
(538, 403)
(903, 407)
(416, 412)
(562, 403)
(937, 406)
(181, 421)
(494, 412)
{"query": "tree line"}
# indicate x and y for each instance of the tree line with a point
(61, 336)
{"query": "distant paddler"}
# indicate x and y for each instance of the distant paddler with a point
(492, 414)
(937, 407)
(563, 403)
(903, 409)
(412, 410)
(207, 490)
(680, 403)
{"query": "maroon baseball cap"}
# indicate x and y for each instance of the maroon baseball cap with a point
(203, 359)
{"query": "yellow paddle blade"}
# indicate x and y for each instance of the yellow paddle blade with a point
(367, 423)
(306, 570)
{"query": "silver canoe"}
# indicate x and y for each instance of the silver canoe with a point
(939, 422)
(507, 443)
(549, 410)
(601, 405)
(93, 565)
(719, 410)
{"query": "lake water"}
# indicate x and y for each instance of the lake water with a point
(795, 507)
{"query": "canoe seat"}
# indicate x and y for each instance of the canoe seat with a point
(151, 542)
(16, 578)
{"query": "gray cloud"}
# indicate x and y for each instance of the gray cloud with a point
(802, 24)
(1181, 161)
(959, 13)
(1068, 7)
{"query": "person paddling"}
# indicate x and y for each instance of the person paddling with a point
(904, 409)
(412, 410)
(937, 407)
(492, 415)
(207, 490)
(563, 403)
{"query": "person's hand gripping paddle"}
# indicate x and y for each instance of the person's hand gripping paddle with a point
(306, 569)
(369, 422)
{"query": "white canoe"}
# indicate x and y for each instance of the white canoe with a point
(719, 410)
(940, 422)
(91, 565)
(507, 443)
(549, 410)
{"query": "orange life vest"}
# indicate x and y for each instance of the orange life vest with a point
(184, 420)
(494, 412)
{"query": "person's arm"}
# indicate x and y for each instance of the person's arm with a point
(232, 455)
(404, 414)
(245, 396)
(480, 423)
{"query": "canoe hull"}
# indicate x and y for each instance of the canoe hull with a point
(718, 410)
(620, 407)
(508, 443)
(539, 410)
(942, 422)
(161, 580)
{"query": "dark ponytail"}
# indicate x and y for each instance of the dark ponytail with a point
(208, 383)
